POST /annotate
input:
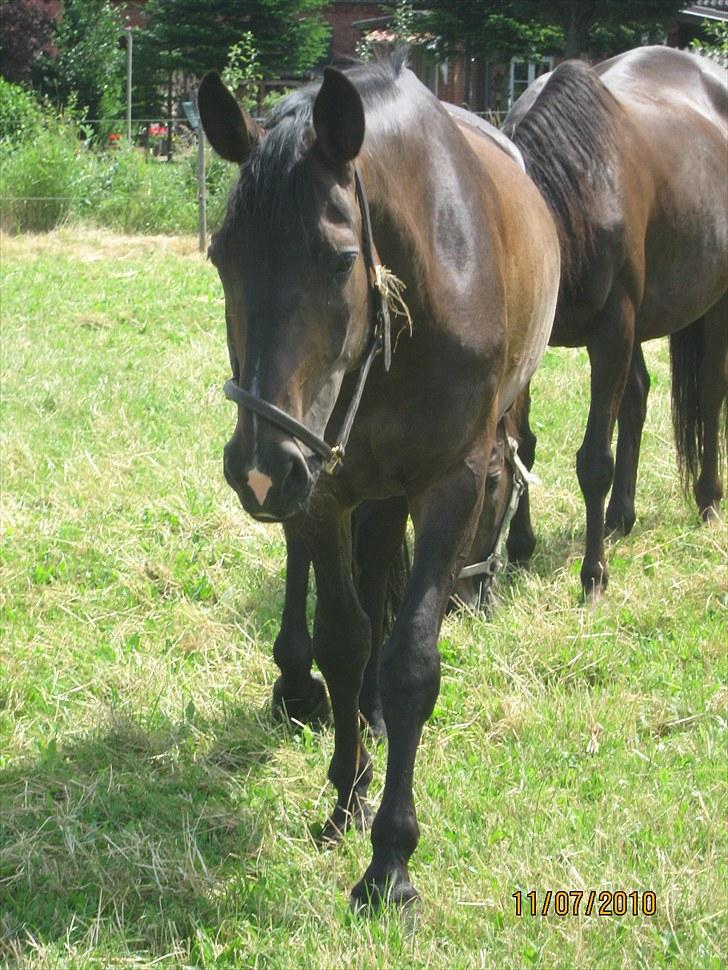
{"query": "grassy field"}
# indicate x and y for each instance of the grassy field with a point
(150, 811)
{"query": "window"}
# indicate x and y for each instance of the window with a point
(524, 73)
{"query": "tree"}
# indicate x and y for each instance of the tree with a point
(714, 42)
(603, 27)
(88, 65)
(487, 29)
(26, 31)
(526, 28)
(194, 36)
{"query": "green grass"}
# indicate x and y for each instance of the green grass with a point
(150, 811)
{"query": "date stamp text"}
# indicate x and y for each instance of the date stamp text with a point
(577, 902)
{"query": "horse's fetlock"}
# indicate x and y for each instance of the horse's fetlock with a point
(395, 834)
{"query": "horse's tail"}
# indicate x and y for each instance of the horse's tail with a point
(687, 347)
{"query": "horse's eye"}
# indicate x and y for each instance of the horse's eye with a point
(345, 263)
(492, 480)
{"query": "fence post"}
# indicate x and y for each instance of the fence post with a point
(201, 191)
(128, 82)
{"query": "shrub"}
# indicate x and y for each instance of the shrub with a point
(55, 176)
(20, 114)
(43, 179)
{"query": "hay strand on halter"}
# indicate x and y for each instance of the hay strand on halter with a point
(391, 289)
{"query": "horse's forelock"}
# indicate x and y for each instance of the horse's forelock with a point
(275, 188)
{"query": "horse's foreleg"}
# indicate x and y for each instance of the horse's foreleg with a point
(633, 409)
(713, 390)
(610, 353)
(445, 520)
(379, 534)
(341, 645)
(296, 694)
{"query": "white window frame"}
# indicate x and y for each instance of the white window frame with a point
(531, 74)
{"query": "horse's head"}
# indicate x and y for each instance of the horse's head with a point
(505, 485)
(289, 255)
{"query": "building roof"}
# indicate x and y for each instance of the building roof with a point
(705, 10)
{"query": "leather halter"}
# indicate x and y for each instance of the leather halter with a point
(496, 560)
(381, 340)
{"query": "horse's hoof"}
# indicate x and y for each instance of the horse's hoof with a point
(593, 582)
(307, 706)
(591, 595)
(618, 524)
(370, 895)
(710, 514)
(341, 820)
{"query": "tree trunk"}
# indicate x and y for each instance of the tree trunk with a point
(467, 76)
(581, 17)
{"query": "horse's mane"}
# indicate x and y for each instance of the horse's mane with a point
(568, 142)
(273, 184)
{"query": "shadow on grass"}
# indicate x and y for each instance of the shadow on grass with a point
(135, 834)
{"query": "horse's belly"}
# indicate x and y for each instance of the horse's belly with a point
(680, 292)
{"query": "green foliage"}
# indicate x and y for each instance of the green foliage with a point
(194, 36)
(488, 29)
(242, 72)
(714, 43)
(522, 28)
(403, 23)
(21, 116)
(89, 64)
(402, 27)
(56, 176)
(615, 25)
(44, 179)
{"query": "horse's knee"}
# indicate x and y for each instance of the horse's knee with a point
(342, 651)
(594, 471)
(410, 682)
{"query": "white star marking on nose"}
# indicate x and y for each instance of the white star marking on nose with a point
(260, 484)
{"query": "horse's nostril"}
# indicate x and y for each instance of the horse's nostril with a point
(295, 478)
(232, 467)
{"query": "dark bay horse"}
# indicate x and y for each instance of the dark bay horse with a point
(365, 171)
(632, 158)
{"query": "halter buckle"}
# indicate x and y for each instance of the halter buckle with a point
(334, 461)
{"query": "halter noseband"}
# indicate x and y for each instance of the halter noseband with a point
(381, 340)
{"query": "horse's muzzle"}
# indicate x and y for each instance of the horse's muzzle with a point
(272, 493)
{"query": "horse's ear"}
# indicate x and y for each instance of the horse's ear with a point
(231, 132)
(338, 117)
